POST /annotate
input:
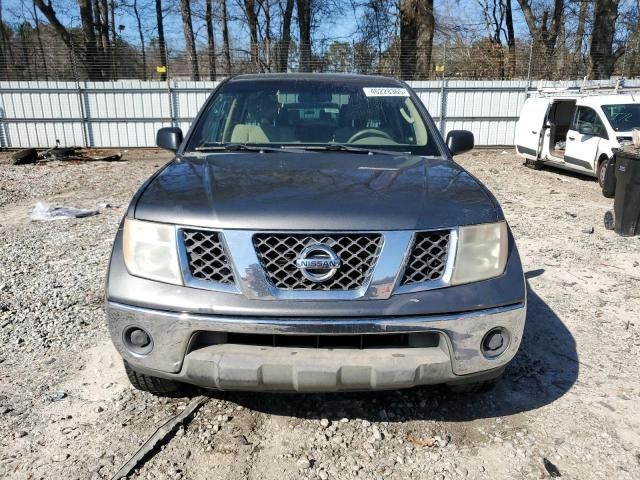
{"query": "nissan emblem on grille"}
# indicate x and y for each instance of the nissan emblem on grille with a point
(279, 253)
(318, 262)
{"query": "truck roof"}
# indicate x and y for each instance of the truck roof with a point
(378, 80)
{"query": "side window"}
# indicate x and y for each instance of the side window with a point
(215, 121)
(587, 117)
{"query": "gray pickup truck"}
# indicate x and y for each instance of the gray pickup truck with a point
(313, 233)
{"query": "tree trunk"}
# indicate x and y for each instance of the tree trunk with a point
(304, 27)
(413, 37)
(39, 36)
(424, 43)
(113, 50)
(252, 22)
(50, 14)
(544, 34)
(189, 40)
(267, 34)
(282, 52)
(226, 49)
(582, 19)
(601, 56)
(161, 43)
(104, 31)
(143, 50)
(511, 38)
(4, 45)
(91, 57)
(561, 55)
(211, 46)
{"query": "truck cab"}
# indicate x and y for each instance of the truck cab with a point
(575, 131)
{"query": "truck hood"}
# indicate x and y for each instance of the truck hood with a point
(316, 191)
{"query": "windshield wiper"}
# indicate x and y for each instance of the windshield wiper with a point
(238, 147)
(339, 147)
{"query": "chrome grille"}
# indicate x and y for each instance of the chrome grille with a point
(278, 252)
(428, 258)
(206, 256)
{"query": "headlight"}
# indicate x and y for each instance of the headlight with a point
(481, 253)
(150, 251)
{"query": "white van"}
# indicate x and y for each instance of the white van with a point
(575, 132)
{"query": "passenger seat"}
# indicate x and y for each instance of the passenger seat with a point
(247, 133)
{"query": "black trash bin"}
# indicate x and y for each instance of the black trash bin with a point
(609, 179)
(626, 205)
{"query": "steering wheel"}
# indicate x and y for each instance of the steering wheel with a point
(369, 132)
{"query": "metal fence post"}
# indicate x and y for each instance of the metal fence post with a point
(443, 91)
(170, 93)
(526, 89)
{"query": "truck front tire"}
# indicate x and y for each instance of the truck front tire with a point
(155, 385)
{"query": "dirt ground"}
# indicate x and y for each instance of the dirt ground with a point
(569, 400)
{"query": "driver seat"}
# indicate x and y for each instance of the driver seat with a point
(352, 119)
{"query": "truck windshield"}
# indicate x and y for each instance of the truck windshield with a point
(279, 113)
(623, 117)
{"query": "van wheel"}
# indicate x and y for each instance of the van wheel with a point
(602, 168)
(155, 385)
(534, 164)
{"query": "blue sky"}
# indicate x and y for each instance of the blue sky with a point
(465, 13)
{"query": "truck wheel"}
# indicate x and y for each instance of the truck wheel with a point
(477, 387)
(534, 164)
(602, 168)
(155, 385)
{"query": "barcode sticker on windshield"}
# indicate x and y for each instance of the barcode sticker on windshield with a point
(385, 92)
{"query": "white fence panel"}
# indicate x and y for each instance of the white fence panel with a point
(127, 113)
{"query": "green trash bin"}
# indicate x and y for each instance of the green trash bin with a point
(626, 205)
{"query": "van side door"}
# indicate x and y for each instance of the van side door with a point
(530, 127)
(585, 133)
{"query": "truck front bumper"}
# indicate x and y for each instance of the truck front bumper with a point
(177, 352)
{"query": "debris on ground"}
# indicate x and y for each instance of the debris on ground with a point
(31, 155)
(44, 211)
(161, 434)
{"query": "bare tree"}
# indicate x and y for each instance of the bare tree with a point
(91, 55)
(252, 23)
(282, 49)
(602, 56)
(304, 29)
(189, 39)
(143, 51)
(511, 38)
(417, 26)
(161, 43)
(264, 6)
(226, 49)
(211, 45)
(48, 11)
(39, 37)
(542, 32)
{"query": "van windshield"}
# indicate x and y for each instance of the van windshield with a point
(623, 117)
(278, 113)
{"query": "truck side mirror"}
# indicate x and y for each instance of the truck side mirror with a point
(169, 138)
(459, 141)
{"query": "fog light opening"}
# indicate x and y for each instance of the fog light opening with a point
(495, 342)
(138, 341)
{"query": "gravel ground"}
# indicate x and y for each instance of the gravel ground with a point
(569, 400)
